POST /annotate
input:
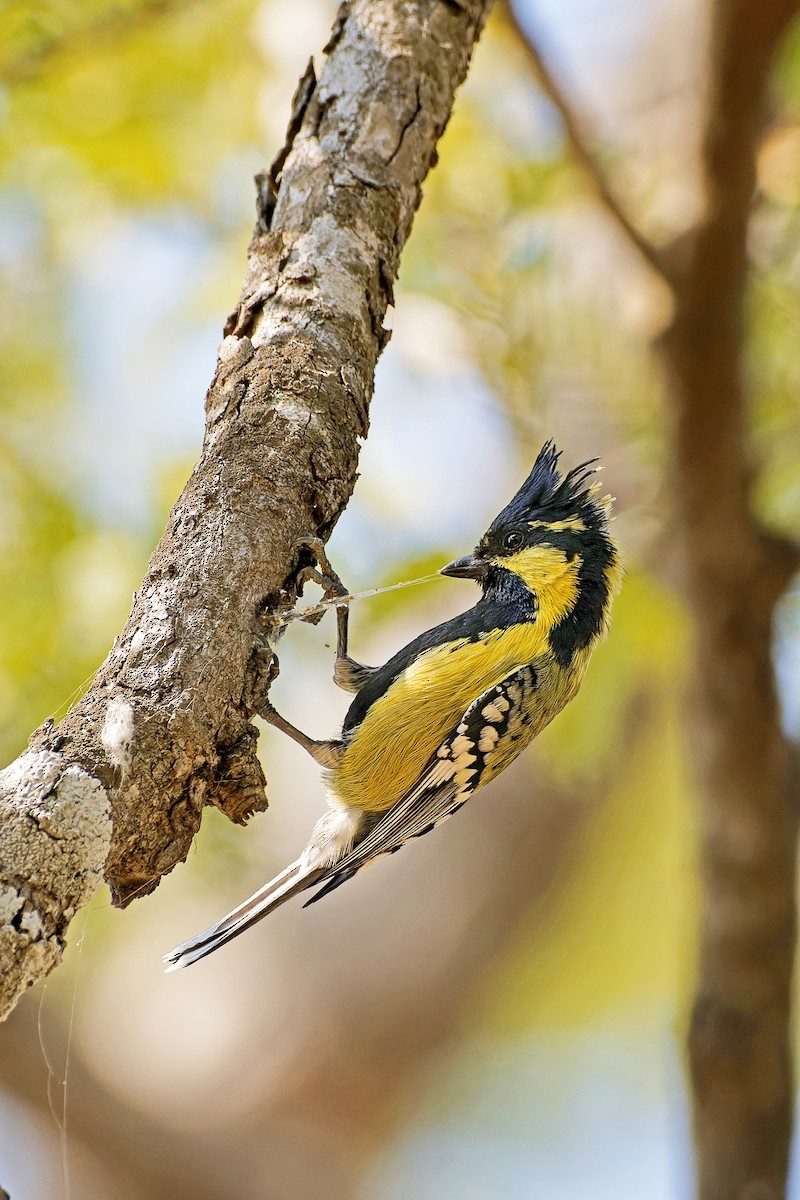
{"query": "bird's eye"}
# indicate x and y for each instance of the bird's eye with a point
(513, 540)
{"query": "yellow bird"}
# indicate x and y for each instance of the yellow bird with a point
(455, 706)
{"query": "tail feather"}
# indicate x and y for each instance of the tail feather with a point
(296, 878)
(333, 882)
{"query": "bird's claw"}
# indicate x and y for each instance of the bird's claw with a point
(265, 670)
(326, 577)
(332, 587)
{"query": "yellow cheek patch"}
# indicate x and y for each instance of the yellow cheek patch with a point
(546, 571)
(575, 524)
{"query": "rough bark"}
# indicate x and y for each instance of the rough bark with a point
(735, 572)
(166, 726)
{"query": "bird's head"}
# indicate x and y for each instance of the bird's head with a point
(552, 537)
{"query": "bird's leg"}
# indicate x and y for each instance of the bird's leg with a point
(347, 673)
(326, 754)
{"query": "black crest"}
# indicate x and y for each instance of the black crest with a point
(550, 496)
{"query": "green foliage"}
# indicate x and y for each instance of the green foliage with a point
(786, 76)
(131, 104)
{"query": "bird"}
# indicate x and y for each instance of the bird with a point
(452, 709)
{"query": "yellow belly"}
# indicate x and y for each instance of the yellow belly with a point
(391, 747)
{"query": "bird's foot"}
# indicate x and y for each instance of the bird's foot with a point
(325, 578)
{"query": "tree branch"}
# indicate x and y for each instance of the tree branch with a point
(578, 143)
(165, 728)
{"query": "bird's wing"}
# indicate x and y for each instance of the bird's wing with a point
(450, 776)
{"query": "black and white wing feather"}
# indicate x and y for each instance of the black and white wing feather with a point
(465, 759)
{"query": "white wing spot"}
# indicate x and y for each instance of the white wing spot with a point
(488, 739)
(462, 746)
(464, 763)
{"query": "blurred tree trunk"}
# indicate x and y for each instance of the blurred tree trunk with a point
(739, 1041)
(735, 573)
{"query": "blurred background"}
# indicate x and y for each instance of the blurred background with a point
(500, 1011)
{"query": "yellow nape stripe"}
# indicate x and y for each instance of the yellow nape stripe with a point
(403, 728)
(574, 523)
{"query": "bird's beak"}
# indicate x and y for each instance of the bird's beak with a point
(469, 567)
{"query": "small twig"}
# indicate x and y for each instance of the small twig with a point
(578, 142)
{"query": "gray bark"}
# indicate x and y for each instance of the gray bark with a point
(117, 790)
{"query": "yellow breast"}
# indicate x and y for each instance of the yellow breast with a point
(402, 729)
